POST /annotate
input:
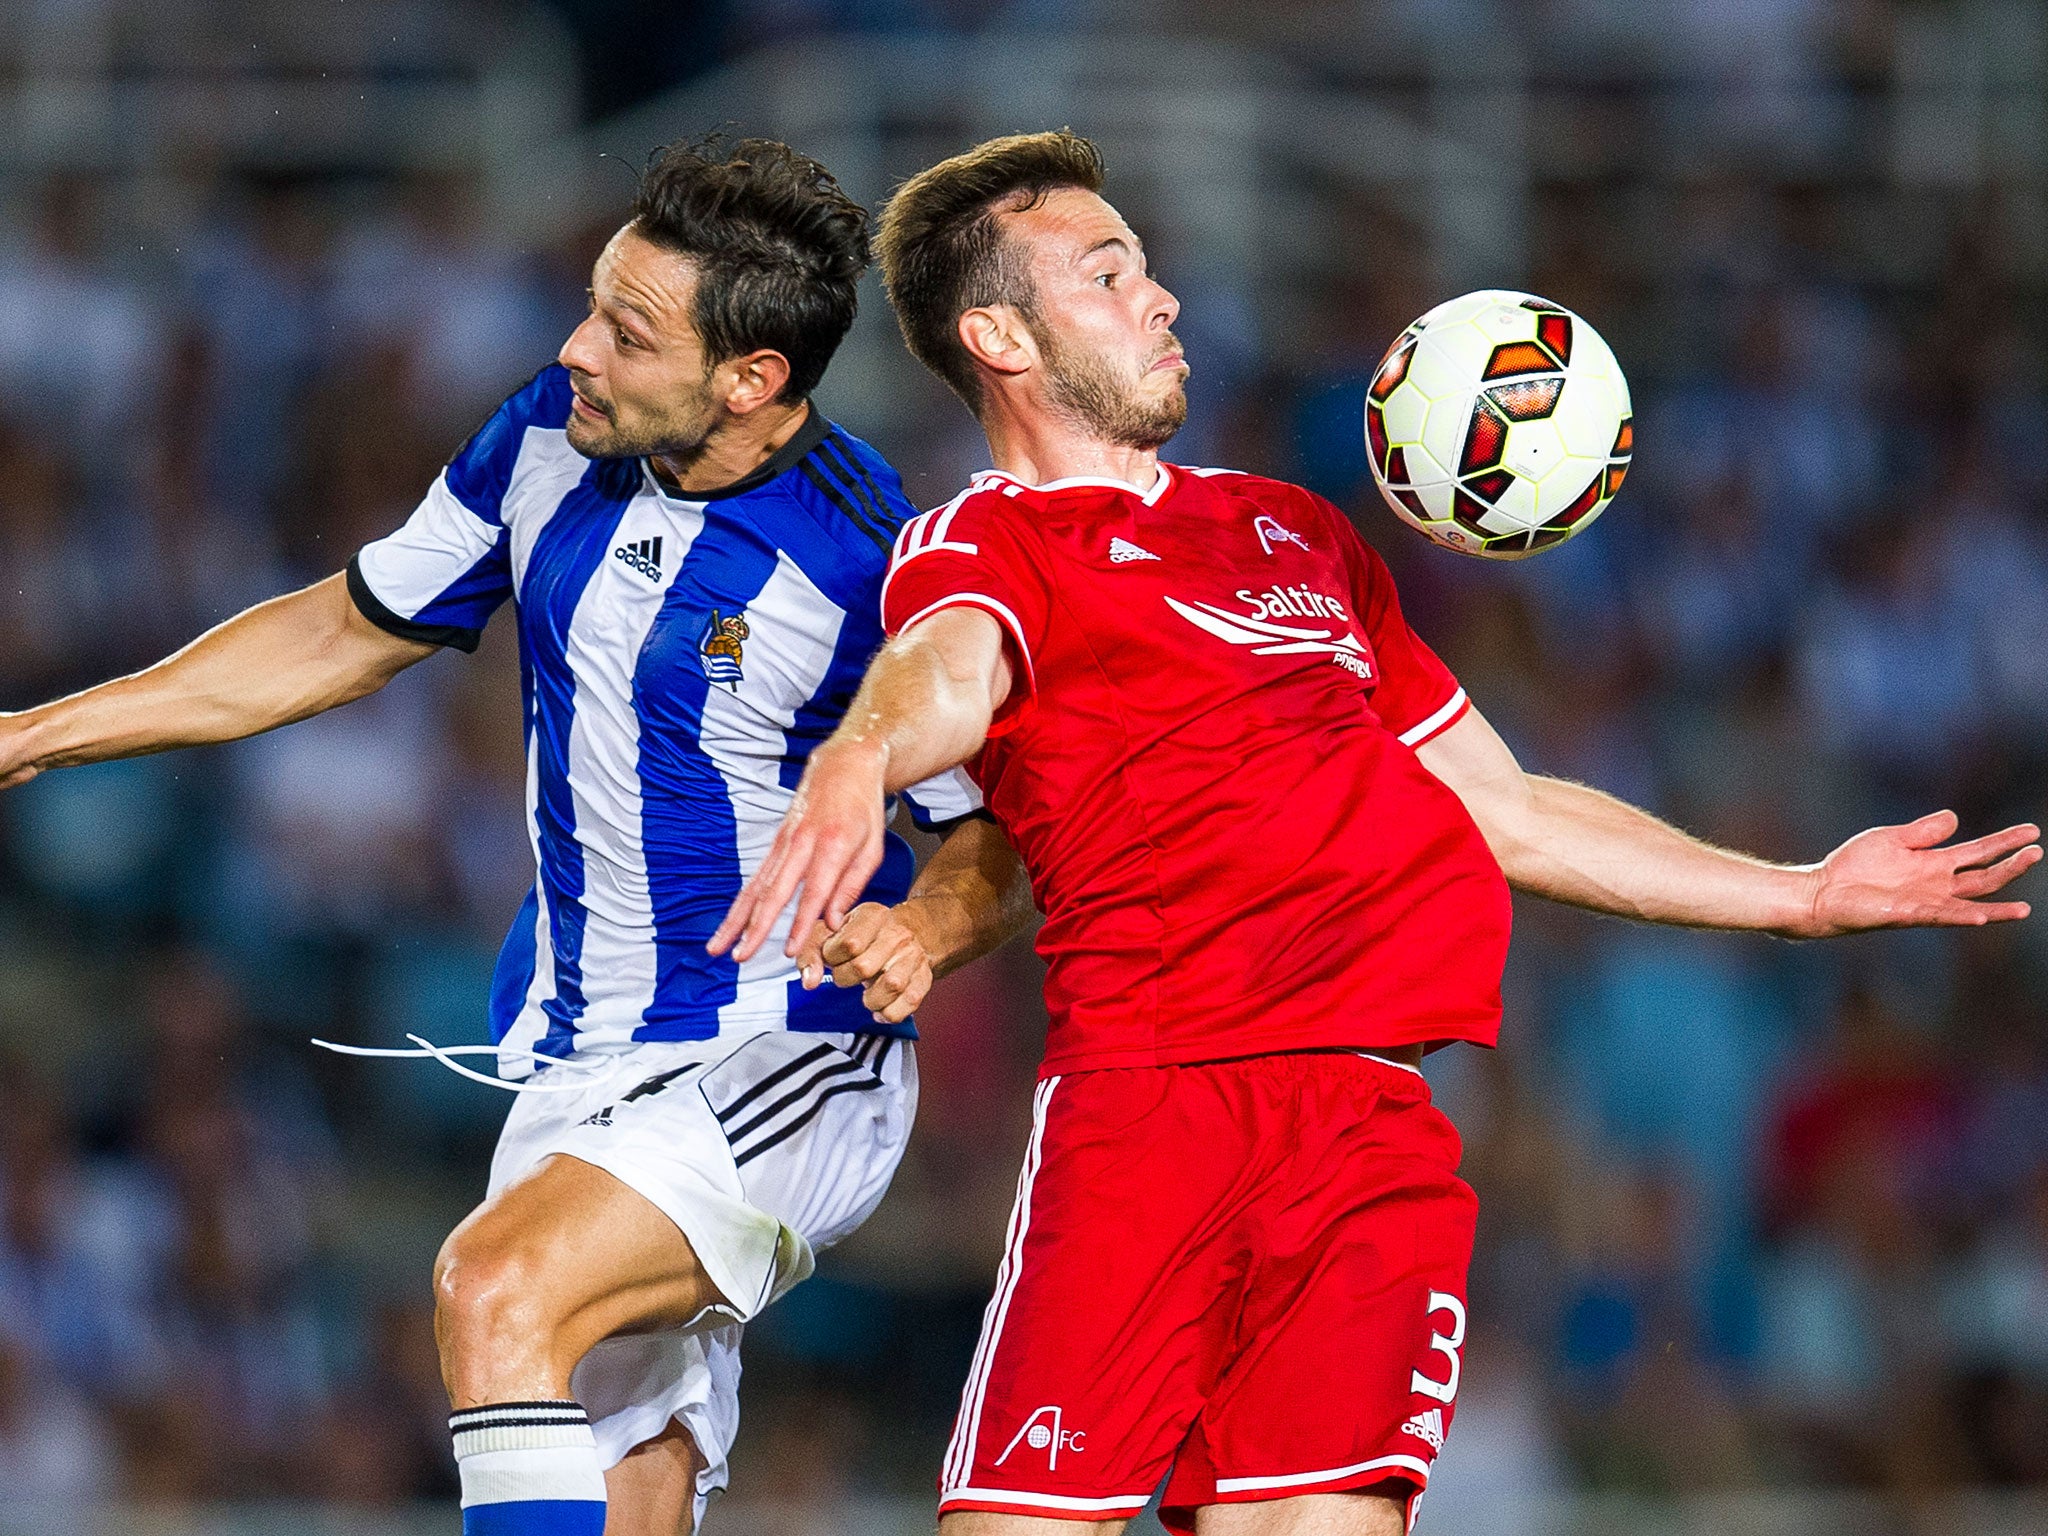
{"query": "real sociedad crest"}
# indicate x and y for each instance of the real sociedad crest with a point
(723, 648)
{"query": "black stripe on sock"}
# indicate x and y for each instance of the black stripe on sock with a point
(493, 1414)
(565, 1404)
(520, 1423)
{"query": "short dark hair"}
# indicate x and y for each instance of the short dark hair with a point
(943, 253)
(779, 248)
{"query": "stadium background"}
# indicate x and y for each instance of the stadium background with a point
(1765, 1242)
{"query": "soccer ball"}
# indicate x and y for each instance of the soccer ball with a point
(1499, 424)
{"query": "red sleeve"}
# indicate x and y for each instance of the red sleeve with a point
(970, 554)
(1417, 696)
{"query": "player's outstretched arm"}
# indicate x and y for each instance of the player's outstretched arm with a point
(1577, 845)
(277, 662)
(972, 896)
(924, 707)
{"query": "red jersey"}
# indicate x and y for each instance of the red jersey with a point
(1207, 764)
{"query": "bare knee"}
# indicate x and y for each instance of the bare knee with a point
(557, 1261)
(1381, 1510)
(493, 1322)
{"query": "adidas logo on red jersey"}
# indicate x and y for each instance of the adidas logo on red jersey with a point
(1427, 1426)
(1123, 550)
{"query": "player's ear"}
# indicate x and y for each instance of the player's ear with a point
(996, 337)
(756, 379)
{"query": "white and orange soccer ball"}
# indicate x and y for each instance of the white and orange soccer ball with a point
(1499, 424)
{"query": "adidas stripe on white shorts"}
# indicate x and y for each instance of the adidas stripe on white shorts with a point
(762, 1150)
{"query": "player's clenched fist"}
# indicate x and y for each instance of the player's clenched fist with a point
(883, 951)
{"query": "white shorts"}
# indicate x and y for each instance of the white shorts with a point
(762, 1150)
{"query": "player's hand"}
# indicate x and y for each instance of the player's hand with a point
(1904, 877)
(827, 849)
(882, 950)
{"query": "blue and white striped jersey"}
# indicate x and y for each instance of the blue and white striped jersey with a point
(680, 660)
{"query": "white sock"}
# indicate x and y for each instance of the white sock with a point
(528, 1469)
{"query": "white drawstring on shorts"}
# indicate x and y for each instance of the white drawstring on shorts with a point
(446, 1054)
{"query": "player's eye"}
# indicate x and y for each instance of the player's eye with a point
(626, 337)
(1107, 279)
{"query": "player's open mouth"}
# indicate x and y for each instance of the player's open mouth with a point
(583, 407)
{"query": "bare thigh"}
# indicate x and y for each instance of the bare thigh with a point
(653, 1492)
(547, 1267)
(1369, 1512)
(979, 1522)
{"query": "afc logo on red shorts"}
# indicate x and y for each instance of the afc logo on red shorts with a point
(1270, 1254)
(1044, 1431)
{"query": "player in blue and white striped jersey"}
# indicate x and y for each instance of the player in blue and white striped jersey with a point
(695, 556)
(683, 654)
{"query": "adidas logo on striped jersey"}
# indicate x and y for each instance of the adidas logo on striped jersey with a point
(643, 555)
(1122, 551)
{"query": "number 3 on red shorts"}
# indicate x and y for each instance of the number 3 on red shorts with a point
(1447, 1343)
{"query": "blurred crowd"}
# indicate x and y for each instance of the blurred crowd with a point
(1755, 1214)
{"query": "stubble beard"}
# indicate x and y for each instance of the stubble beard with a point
(677, 436)
(1088, 392)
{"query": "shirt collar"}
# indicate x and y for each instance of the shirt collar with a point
(1148, 494)
(780, 462)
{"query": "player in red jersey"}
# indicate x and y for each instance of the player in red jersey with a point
(1273, 843)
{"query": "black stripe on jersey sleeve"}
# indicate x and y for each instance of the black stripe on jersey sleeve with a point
(854, 475)
(372, 607)
(840, 499)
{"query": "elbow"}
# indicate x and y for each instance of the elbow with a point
(1519, 863)
(1513, 837)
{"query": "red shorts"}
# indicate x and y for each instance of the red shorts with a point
(1251, 1271)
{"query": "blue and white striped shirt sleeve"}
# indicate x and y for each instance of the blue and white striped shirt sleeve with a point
(943, 799)
(439, 578)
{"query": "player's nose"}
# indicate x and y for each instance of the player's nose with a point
(1165, 308)
(580, 351)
